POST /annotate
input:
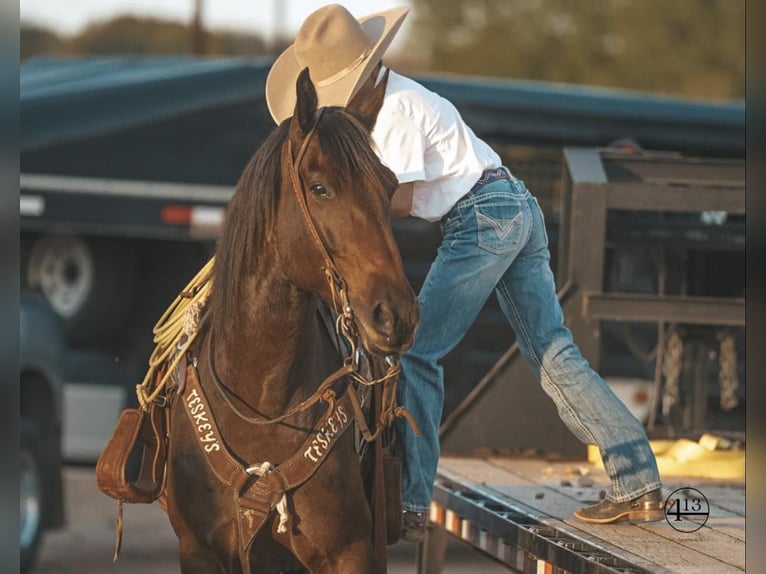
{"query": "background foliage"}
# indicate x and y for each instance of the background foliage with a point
(693, 48)
(137, 35)
(689, 47)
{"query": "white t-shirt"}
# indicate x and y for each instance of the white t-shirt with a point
(421, 137)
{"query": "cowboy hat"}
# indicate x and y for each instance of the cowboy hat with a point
(340, 53)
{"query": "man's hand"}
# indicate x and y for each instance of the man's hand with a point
(401, 203)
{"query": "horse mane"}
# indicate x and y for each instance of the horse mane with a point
(250, 212)
(248, 217)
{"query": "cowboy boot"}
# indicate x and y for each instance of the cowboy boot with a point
(646, 508)
(413, 525)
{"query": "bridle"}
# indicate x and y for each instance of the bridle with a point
(345, 327)
(346, 324)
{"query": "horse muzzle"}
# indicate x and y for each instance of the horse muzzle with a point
(388, 327)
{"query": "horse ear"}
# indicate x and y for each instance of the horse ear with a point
(305, 103)
(368, 105)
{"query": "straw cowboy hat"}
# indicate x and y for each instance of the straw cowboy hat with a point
(340, 53)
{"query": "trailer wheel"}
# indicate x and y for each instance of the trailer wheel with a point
(87, 282)
(30, 494)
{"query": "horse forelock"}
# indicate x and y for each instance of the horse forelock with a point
(346, 140)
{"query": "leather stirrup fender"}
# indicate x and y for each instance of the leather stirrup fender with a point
(135, 428)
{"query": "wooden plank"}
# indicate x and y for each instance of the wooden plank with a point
(496, 480)
(653, 197)
(714, 540)
(704, 550)
(671, 308)
(534, 484)
(545, 509)
(725, 495)
(727, 504)
(677, 170)
(726, 500)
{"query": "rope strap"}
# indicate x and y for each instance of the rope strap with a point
(263, 469)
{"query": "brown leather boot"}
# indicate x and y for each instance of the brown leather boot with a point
(646, 508)
(413, 525)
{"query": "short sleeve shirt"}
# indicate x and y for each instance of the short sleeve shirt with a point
(421, 137)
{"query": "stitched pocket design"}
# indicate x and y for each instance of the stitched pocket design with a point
(499, 227)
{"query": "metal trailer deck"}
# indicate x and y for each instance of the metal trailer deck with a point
(519, 511)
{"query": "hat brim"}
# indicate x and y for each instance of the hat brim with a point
(280, 82)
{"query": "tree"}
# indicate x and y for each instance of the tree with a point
(132, 35)
(689, 47)
(37, 40)
(138, 35)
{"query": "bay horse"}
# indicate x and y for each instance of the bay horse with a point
(309, 219)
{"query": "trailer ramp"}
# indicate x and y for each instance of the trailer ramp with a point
(519, 512)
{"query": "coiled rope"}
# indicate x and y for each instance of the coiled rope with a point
(174, 332)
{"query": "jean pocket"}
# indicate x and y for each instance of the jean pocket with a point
(500, 227)
(450, 224)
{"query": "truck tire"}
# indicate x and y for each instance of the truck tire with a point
(87, 282)
(30, 494)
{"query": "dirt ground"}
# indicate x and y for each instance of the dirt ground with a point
(149, 545)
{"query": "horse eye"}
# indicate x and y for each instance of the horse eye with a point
(320, 190)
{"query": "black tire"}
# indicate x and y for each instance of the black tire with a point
(30, 494)
(89, 283)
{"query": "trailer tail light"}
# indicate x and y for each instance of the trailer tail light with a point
(203, 220)
(176, 214)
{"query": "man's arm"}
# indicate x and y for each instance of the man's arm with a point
(401, 203)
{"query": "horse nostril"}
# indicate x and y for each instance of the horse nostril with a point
(383, 316)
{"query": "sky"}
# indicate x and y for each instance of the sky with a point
(70, 16)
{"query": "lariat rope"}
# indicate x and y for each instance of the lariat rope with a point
(180, 319)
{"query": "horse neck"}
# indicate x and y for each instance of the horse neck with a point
(268, 353)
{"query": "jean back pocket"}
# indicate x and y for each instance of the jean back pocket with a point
(500, 227)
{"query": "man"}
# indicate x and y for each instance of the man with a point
(493, 240)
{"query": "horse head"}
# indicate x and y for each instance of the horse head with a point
(332, 223)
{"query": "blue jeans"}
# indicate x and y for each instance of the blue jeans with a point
(494, 239)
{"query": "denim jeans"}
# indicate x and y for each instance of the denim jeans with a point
(494, 239)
